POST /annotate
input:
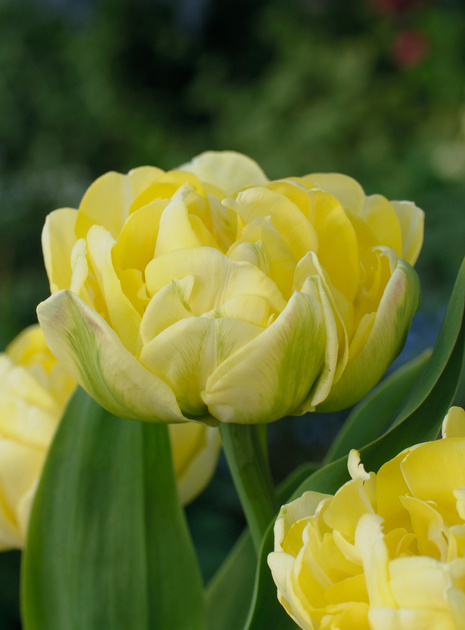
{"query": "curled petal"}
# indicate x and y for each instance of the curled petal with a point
(270, 376)
(93, 354)
(384, 341)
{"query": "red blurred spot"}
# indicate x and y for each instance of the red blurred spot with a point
(410, 48)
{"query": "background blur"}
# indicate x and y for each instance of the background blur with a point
(371, 88)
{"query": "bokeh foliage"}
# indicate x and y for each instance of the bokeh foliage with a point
(300, 85)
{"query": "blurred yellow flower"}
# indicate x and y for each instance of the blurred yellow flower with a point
(209, 293)
(34, 389)
(387, 551)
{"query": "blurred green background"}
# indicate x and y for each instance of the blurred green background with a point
(371, 88)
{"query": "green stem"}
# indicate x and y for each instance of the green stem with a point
(246, 456)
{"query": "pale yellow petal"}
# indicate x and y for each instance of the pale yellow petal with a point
(226, 170)
(58, 240)
(411, 219)
(20, 467)
(188, 352)
(298, 233)
(434, 471)
(123, 317)
(346, 189)
(392, 321)
(135, 246)
(195, 449)
(169, 305)
(217, 278)
(454, 423)
(108, 199)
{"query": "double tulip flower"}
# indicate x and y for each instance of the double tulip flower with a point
(210, 293)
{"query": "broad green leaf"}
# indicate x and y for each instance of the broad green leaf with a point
(108, 546)
(375, 413)
(418, 421)
(229, 593)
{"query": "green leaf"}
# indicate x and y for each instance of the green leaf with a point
(375, 413)
(229, 593)
(108, 546)
(419, 420)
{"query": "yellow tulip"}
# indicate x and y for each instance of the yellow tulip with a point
(387, 551)
(34, 389)
(209, 293)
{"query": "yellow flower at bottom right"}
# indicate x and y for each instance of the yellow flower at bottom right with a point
(387, 551)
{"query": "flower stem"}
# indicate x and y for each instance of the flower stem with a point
(245, 452)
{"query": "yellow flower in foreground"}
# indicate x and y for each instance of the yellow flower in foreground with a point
(210, 293)
(387, 551)
(34, 389)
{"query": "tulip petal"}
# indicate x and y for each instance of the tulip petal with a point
(108, 199)
(411, 219)
(270, 376)
(195, 449)
(58, 240)
(217, 278)
(93, 354)
(226, 170)
(434, 471)
(135, 245)
(385, 340)
(186, 353)
(124, 318)
(345, 188)
(288, 220)
(20, 468)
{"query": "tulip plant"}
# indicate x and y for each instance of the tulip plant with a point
(189, 309)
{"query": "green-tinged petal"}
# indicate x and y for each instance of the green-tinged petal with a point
(217, 278)
(185, 354)
(385, 340)
(226, 170)
(93, 354)
(108, 199)
(411, 219)
(270, 376)
(58, 240)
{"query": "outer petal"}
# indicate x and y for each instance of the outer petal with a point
(93, 354)
(195, 449)
(385, 340)
(411, 219)
(269, 377)
(20, 467)
(226, 170)
(58, 240)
